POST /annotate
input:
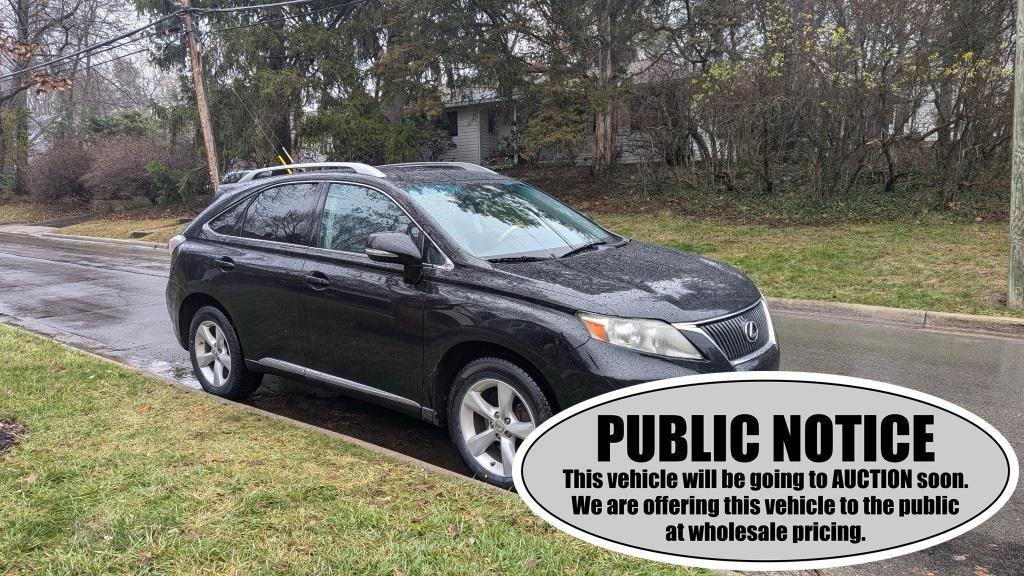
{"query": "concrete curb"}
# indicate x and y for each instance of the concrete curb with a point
(70, 341)
(923, 319)
(99, 240)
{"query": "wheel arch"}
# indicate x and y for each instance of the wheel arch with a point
(189, 306)
(458, 355)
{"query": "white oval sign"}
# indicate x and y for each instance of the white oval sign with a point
(766, 471)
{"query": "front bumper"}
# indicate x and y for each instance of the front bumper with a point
(599, 367)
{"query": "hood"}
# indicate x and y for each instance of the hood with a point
(638, 280)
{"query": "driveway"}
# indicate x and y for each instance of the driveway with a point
(109, 299)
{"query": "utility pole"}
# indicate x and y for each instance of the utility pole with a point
(204, 111)
(1015, 299)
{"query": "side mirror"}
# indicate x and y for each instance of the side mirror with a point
(393, 247)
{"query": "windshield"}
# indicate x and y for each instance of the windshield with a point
(507, 219)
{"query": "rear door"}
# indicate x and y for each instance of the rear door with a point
(364, 323)
(258, 264)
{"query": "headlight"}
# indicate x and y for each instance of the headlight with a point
(651, 336)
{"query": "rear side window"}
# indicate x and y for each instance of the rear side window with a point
(282, 214)
(227, 223)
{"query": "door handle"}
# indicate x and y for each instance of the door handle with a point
(226, 264)
(317, 280)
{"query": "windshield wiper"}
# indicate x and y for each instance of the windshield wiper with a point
(583, 248)
(519, 259)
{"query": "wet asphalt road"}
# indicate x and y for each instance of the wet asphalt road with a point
(109, 299)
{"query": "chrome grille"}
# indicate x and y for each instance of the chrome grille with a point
(731, 333)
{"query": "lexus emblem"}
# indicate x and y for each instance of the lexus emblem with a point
(751, 331)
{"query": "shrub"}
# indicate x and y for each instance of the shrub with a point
(136, 167)
(558, 125)
(130, 123)
(175, 185)
(57, 174)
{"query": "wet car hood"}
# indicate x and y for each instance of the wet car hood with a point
(638, 280)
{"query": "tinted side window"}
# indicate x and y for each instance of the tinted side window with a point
(227, 223)
(352, 213)
(282, 214)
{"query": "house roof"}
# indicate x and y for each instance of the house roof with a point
(471, 97)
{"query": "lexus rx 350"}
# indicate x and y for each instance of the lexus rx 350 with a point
(451, 293)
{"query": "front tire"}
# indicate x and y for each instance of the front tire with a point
(494, 405)
(217, 356)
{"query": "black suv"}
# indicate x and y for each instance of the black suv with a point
(451, 293)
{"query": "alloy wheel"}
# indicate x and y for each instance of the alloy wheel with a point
(495, 419)
(213, 355)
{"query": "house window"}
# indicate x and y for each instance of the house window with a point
(451, 119)
(492, 121)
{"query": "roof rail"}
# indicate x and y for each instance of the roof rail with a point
(357, 167)
(467, 166)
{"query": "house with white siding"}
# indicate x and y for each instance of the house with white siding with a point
(477, 122)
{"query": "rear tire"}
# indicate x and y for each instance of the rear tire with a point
(217, 356)
(493, 406)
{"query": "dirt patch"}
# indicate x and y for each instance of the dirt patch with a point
(11, 432)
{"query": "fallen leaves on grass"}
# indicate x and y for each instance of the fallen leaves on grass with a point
(11, 432)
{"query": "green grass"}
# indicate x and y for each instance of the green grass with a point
(120, 473)
(163, 223)
(28, 212)
(927, 264)
(162, 228)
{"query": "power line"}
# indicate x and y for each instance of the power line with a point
(280, 18)
(135, 31)
(267, 132)
(91, 48)
(114, 59)
(254, 7)
(123, 44)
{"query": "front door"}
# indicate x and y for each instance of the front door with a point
(363, 322)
